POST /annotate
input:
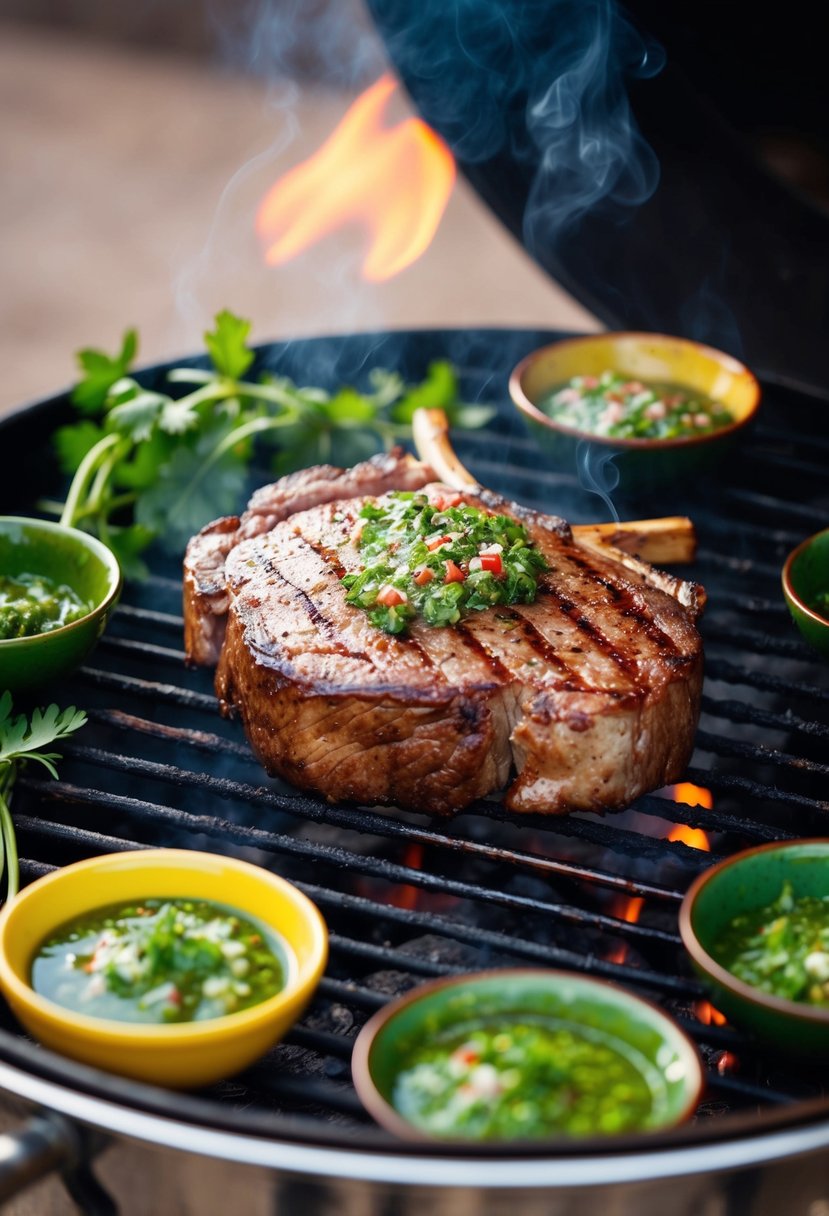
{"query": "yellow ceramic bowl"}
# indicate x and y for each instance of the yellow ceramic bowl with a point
(643, 464)
(184, 1054)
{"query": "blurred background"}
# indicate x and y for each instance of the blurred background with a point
(137, 144)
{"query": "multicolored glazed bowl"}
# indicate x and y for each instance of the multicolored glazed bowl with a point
(642, 465)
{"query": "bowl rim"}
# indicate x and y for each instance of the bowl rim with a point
(386, 1115)
(139, 1034)
(788, 583)
(83, 539)
(528, 407)
(813, 1015)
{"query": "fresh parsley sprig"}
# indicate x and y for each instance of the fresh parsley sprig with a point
(149, 465)
(23, 742)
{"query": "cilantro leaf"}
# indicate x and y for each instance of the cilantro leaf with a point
(73, 442)
(227, 345)
(137, 417)
(197, 484)
(101, 371)
(21, 742)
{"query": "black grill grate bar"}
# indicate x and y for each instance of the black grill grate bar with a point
(667, 808)
(735, 564)
(145, 650)
(379, 825)
(757, 643)
(149, 616)
(163, 583)
(373, 823)
(386, 957)
(745, 1089)
(770, 505)
(199, 740)
(740, 711)
(387, 871)
(170, 693)
(757, 752)
(790, 464)
(709, 819)
(733, 784)
(730, 673)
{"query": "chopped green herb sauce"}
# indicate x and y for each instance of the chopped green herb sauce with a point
(32, 603)
(782, 948)
(526, 1079)
(173, 960)
(438, 559)
(622, 408)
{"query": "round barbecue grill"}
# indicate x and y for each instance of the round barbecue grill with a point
(408, 898)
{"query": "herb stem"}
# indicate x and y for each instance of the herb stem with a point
(8, 841)
(86, 471)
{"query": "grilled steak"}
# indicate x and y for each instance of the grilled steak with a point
(205, 586)
(591, 693)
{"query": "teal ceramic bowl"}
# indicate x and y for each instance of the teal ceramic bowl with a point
(805, 575)
(753, 880)
(637, 1029)
(634, 466)
(64, 555)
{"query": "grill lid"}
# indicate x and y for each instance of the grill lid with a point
(407, 897)
(621, 176)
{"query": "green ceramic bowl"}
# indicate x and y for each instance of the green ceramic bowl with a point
(805, 573)
(639, 1029)
(749, 880)
(642, 464)
(64, 555)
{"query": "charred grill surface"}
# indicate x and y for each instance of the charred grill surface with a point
(407, 897)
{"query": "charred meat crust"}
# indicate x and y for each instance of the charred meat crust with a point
(591, 693)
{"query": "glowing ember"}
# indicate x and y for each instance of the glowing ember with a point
(395, 181)
(691, 795)
(708, 1015)
(627, 909)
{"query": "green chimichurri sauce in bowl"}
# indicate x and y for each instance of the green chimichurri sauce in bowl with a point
(160, 961)
(756, 927)
(33, 603)
(58, 587)
(634, 411)
(524, 1056)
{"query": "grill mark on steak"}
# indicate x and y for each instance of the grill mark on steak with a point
(330, 556)
(591, 631)
(542, 647)
(629, 603)
(475, 644)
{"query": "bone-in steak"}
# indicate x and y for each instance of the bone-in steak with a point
(590, 694)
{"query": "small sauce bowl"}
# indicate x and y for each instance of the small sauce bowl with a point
(178, 1055)
(749, 881)
(64, 555)
(642, 464)
(806, 573)
(498, 999)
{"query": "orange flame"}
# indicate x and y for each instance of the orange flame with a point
(708, 1015)
(691, 795)
(394, 180)
(629, 909)
(404, 895)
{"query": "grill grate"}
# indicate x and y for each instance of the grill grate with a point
(406, 897)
